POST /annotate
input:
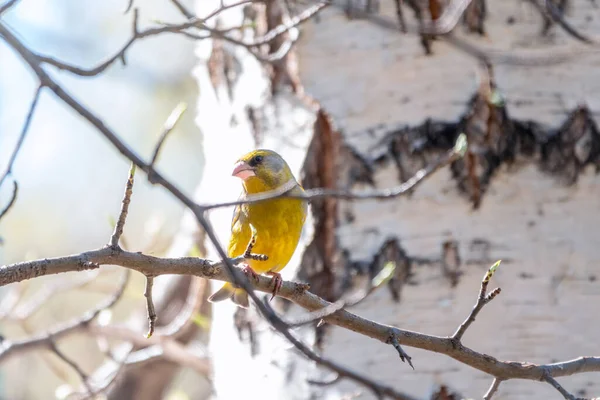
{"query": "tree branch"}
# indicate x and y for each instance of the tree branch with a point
(6, 6)
(169, 125)
(183, 9)
(82, 375)
(156, 346)
(8, 348)
(114, 239)
(482, 300)
(20, 141)
(558, 387)
(384, 194)
(493, 388)
(12, 200)
(150, 305)
(549, 9)
(294, 292)
(24, 131)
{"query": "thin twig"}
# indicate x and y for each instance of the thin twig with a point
(325, 382)
(380, 390)
(9, 348)
(24, 130)
(48, 291)
(150, 305)
(384, 194)
(558, 387)
(317, 315)
(393, 340)
(183, 9)
(155, 346)
(550, 10)
(82, 375)
(478, 53)
(180, 29)
(114, 239)
(493, 388)
(169, 125)
(12, 201)
(193, 303)
(6, 6)
(482, 300)
(99, 389)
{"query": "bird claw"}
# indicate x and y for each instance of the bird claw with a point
(247, 269)
(277, 281)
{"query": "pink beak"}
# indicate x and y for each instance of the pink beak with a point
(242, 170)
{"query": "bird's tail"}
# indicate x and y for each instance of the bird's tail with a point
(228, 291)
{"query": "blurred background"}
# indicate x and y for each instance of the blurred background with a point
(510, 75)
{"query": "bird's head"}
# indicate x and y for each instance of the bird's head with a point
(262, 170)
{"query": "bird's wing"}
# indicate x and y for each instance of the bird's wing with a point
(237, 211)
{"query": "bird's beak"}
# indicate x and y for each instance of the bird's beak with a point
(243, 171)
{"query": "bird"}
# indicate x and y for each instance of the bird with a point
(274, 225)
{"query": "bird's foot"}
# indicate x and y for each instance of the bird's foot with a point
(247, 269)
(277, 282)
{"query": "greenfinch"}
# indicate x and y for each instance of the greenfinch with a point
(276, 224)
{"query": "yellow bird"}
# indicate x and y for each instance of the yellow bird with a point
(278, 222)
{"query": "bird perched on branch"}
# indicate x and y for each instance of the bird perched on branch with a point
(276, 223)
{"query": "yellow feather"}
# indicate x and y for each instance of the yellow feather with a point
(278, 222)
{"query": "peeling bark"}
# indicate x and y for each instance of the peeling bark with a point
(321, 258)
(475, 15)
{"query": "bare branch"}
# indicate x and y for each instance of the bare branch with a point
(129, 6)
(183, 9)
(6, 6)
(12, 200)
(317, 315)
(294, 292)
(114, 239)
(507, 58)
(82, 375)
(10, 300)
(393, 340)
(155, 346)
(380, 390)
(41, 296)
(24, 130)
(150, 305)
(8, 348)
(383, 194)
(184, 318)
(33, 61)
(169, 125)
(482, 300)
(326, 382)
(493, 388)
(558, 387)
(108, 382)
(550, 10)
(180, 29)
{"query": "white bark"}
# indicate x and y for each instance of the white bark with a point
(546, 231)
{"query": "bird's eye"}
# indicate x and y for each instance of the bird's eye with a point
(258, 159)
